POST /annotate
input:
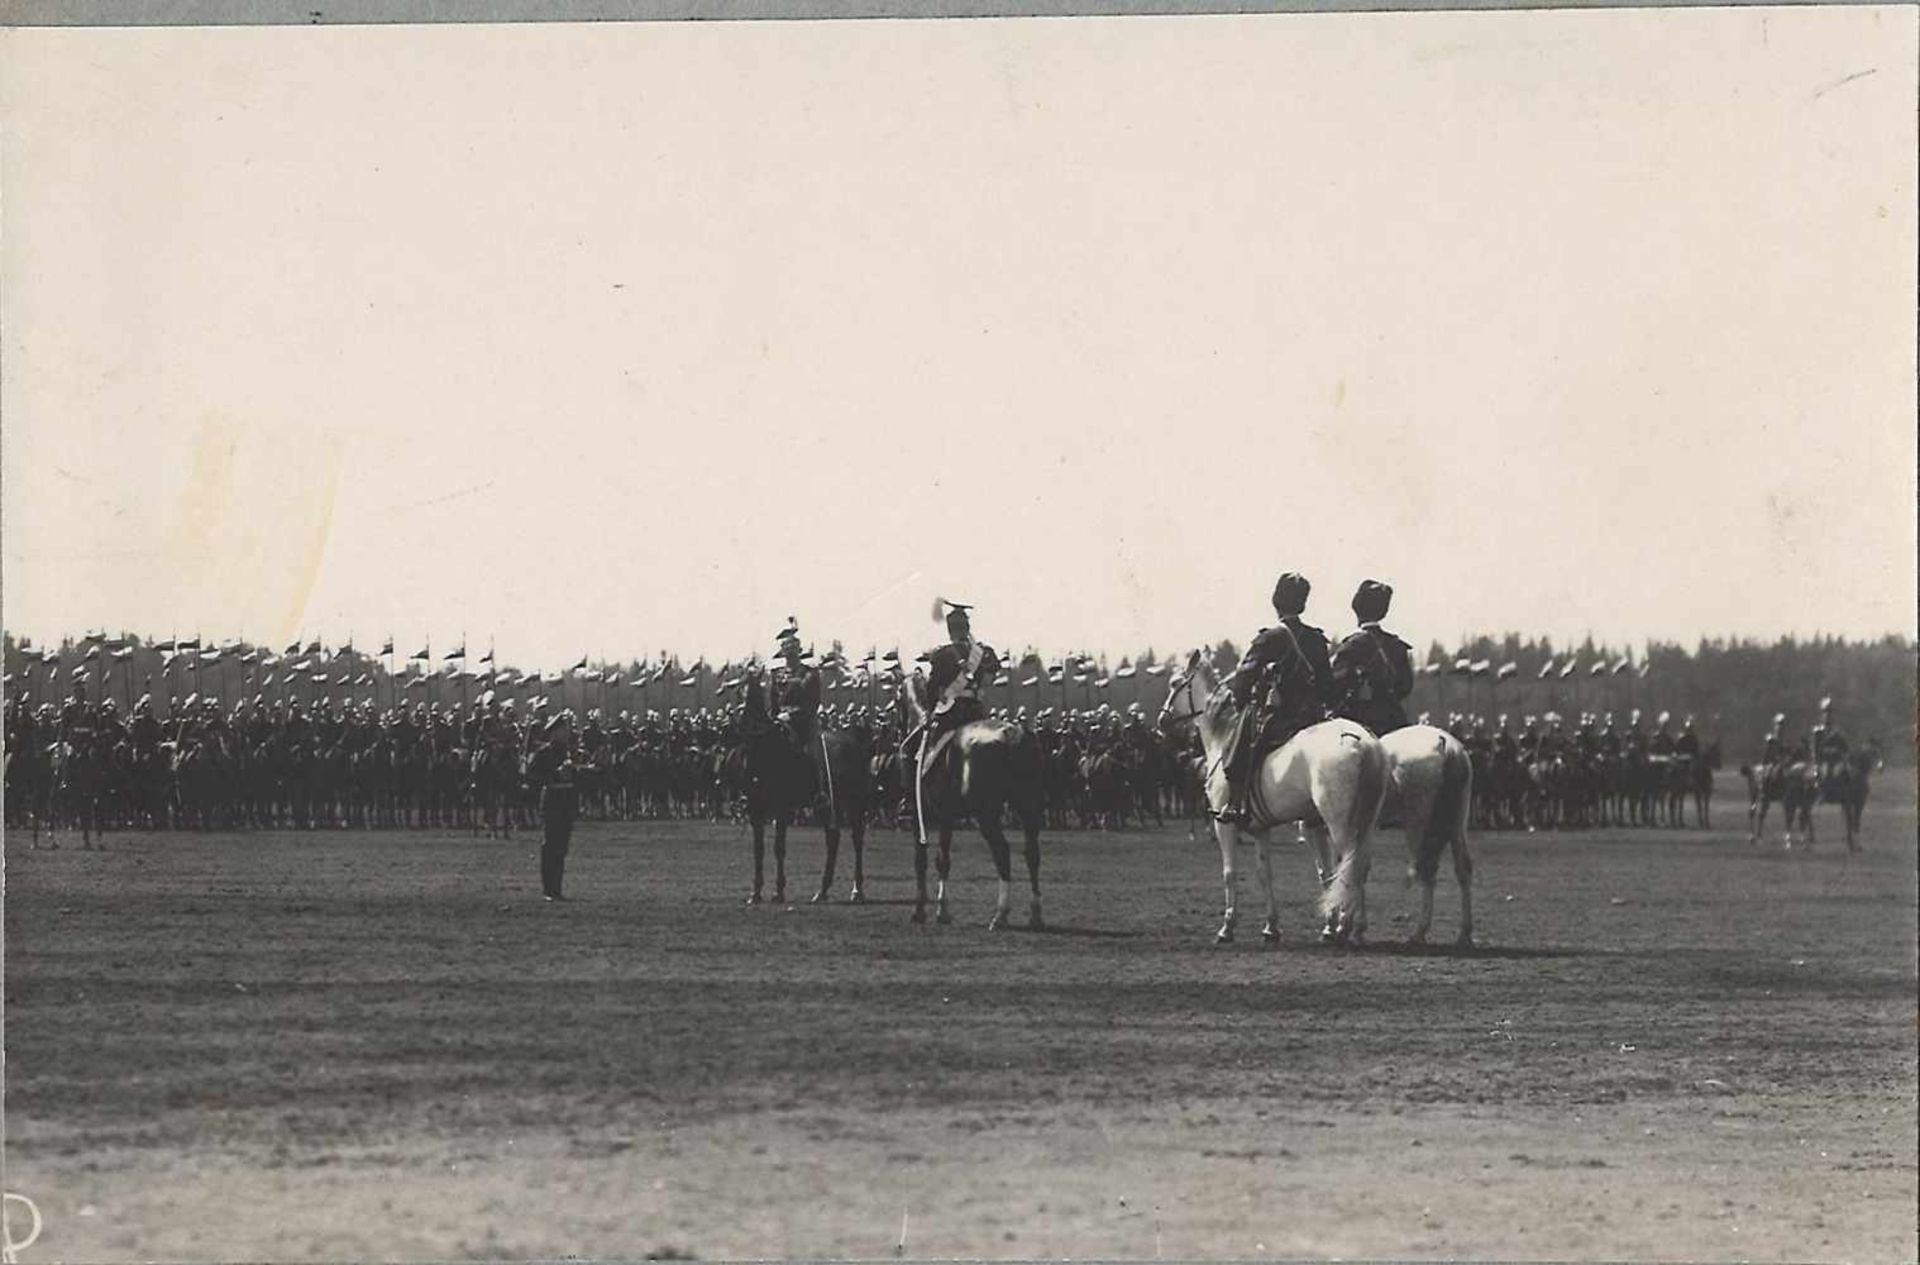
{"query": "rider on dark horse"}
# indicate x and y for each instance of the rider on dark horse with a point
(1278, 674)
(955, 673)
(1662, 741)
(1828, 745)
(1774, 753)
(1372, 668)
(797, 691)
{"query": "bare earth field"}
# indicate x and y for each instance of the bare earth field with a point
(356, 1046)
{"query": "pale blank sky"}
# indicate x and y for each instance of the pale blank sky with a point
(619, 337)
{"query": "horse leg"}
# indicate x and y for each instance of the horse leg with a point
(988, 820)
(1463, 874)
(833, 855)
(1030, 828)
(780, 859)
(1270, 931)
(1425, 873)
(920, 880)
(942, 866)
(1227, 834)
(759, 857)
(859, 830)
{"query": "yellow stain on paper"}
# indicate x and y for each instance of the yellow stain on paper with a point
(253, 523)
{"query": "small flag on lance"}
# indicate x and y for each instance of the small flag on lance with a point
(1598, 669)
(1567, 669)
(1124, 674)
(1621, 666)
(1507, 670)
(580, 666)
(1546, 669)
(1158, 669)
(421, 655)
(1462, 666)
(386, 647)
(1480, 667)
(1646, 668)
(458, 652)
(690, 679)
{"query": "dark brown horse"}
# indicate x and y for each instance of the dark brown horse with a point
(986, 768)
(1846, 785)
(830, 771)
(1795, 785)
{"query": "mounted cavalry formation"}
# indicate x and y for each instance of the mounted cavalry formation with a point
(1301, 731)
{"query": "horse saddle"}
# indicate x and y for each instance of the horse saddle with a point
(934, 757)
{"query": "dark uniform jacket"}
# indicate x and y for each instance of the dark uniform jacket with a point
(945, 666)
(796, 699)
(551, 772)
(1275, 656)
(1319, 655)
(1373, 673)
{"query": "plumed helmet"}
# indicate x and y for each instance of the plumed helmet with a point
(1371, 600)
(1290, 594)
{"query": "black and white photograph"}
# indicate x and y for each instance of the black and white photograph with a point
(874, 635)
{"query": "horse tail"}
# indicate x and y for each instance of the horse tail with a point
(1447, 819)
(1342, 895)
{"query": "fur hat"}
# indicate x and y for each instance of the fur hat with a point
(1371, 600)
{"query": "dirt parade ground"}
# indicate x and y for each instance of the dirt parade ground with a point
(1669, 1045)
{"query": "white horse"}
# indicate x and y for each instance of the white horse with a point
(1330, 778)
(1429, 794)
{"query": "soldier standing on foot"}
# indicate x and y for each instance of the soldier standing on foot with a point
(551, 770)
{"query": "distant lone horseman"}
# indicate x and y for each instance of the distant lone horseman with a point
(1372, 668)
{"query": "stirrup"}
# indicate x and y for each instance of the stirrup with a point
(1231, 816)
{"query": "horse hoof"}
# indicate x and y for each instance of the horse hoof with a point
(998, 922)
(1270, 935)
(753, 899)
(919, 917)
(943, 917)
(1464, 942)
(857, 897)
(780, 896)
(822, 897)
(1035, 922)
(1223, 936)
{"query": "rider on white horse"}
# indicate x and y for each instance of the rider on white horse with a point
(1275, 663)
(1373, 668)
